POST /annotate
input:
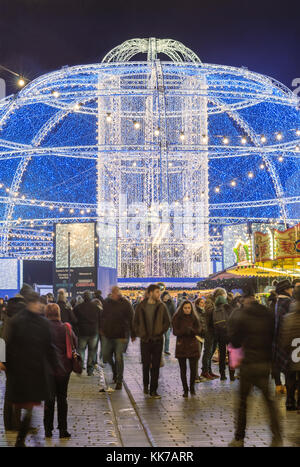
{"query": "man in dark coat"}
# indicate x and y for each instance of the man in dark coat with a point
(252, 329)
(88, 316)
(11, 414)
(116, 325)
(31, 361)
(221, 315)
(289, 341)
(151, 321)
(284, 291)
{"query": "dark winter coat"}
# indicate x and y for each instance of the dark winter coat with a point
(252, 328)
(161, 324)
(58, 332)
(88, 316)
(117, 319)
(31, 359)
(186, 327)
(281, 309)
(66, 313)
(169, 304)
(290, 330)
(14, 305)
(209, 308)
(221, 315)
(201, 314)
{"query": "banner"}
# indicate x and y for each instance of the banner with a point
(287, 243)
(262, 247)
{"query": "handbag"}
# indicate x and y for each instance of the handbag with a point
(235, 356)
(77, 365)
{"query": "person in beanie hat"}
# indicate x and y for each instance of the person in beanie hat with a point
(284, 290)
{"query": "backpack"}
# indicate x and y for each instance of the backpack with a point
(220, 319)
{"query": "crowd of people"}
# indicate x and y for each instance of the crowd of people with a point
(41, 335)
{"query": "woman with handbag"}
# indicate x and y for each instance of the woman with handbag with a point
(65, 340)
(186, 327)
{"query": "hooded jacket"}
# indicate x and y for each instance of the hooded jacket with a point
(160, 325)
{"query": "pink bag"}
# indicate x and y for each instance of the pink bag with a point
(235, 356)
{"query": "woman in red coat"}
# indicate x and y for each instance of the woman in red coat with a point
(186, 327)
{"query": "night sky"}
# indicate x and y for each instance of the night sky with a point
(38, 36)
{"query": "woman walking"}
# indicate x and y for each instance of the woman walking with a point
(186, 327)
(60, 335)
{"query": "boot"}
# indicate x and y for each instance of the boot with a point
(24, 428)
(192, 390)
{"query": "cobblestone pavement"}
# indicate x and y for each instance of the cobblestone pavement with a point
(129, 418)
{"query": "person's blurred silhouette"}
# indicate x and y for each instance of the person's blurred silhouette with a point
(31, 360)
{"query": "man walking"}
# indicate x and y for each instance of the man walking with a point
(87, 315)
(151, 321)
(116, 326)
(252, 329)
(289, 342)
(284, 291)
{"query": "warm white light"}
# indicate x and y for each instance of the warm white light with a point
(108, 117)
(280, 158)
(262, 166)
(60, 209)
(1, 185)
(157, 131)
(233, 183)
(244, 140)
(263, 139)
(7, 190)
(297, 148)
(21, 82)
(217, 189)
(55, 94)
(204, 139)
(298, 132)
(51, 207)
(250, 174)
(279, 136)
(71, 211)
(76, 106)
(88, 210)
(82, 211)
(137, 125)
(225, 140)
(182, 136)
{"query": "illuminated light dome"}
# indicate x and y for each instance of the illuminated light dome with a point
(139, 145)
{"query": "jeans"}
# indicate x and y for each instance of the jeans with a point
(221, 342)
(292, 384)
(255, 375)
(167, 340)
(61, 390)
(193, 368)
(113, 350)
(91, 342)
(151, 355)
(210, 345)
